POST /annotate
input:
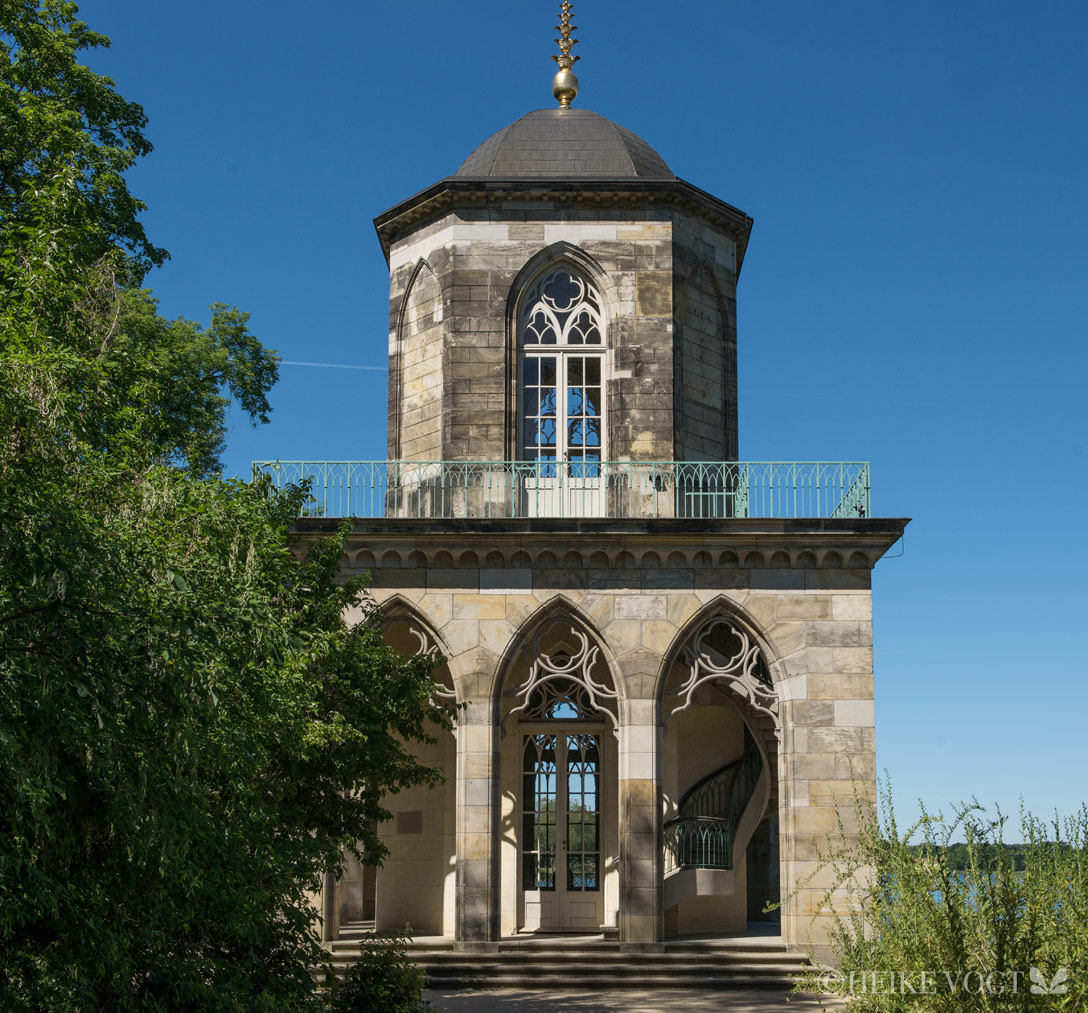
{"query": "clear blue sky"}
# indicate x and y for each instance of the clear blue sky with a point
(914, 293)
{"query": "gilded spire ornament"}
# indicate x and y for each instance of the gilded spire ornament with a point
(565, 84)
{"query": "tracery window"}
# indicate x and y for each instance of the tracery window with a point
(560, 700)
(561, 335)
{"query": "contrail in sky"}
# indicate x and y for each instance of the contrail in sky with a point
(333, 365)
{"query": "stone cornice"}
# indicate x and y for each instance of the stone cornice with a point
(854, 543)
(612, 193)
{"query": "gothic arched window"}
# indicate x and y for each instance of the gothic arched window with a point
(561, 338)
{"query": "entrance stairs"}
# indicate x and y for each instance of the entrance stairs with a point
(572, 962)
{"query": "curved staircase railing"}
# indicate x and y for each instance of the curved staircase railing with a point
(702, 834)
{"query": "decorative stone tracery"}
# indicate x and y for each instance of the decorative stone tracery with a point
(425, 642)
(564, 309)
(562, 677)
(721, 651)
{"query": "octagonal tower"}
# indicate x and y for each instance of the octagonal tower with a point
(567, 195)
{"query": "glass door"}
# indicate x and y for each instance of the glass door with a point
(563, 433)
(561, 872)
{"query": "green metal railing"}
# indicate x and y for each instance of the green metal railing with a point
(636, 489)
(701, 836)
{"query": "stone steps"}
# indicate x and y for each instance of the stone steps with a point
(748, 963)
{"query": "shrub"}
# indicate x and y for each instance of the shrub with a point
(382, 980)
(988, 937)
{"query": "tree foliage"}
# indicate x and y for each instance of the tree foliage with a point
(56, 114)
(189, 732)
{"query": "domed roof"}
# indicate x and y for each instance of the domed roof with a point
(564, 143)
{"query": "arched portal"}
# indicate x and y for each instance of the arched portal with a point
(558, 713)
(719, 778)
(416, 882)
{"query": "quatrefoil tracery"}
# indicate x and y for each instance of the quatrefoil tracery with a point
(562, 309)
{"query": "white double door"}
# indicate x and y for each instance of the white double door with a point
(561, 869)
(563, 433)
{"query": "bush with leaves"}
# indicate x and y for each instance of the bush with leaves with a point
(382, 980)
(988, 937)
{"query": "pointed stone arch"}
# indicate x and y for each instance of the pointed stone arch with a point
(417, 634)
(751, 670)
(548, 258)
(730, 667)
(588, 662)
(551, 257)
(419, 837)
(419, 316)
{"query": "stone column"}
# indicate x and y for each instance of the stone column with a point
(641, 925)
(828, 755)
(329, 906)
(478, 784)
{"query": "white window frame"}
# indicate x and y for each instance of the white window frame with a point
(562, 351)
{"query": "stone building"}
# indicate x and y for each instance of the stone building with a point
(662, 657)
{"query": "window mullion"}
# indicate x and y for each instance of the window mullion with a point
(561, 406)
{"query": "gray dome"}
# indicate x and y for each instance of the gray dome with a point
(564, 144)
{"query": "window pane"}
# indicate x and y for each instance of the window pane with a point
(592, 396)
(593, 370)
(531, 370)
(547, 370)
(574, 832)
(575, 371)
(546, 873)
(589, 832)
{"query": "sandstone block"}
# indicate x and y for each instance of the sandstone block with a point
(649, 606)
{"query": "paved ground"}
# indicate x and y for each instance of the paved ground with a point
(633, 1001)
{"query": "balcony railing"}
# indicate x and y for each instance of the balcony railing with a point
(632, 489)
(703, 832)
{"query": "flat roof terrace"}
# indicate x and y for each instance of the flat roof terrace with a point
(586, 488)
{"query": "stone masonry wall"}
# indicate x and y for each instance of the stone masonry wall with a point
(419, 349)
(480, 256)
(811, 614)
(706, 395)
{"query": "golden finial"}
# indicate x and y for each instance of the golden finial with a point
(565, 84)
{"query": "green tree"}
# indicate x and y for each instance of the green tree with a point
(55, 113)
(189, 733)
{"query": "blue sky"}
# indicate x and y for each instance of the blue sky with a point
(913, 294)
